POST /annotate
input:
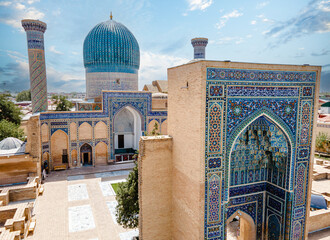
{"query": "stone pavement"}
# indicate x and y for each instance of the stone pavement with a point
(75, 205)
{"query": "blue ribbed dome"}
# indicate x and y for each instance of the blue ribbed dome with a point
(111, 47)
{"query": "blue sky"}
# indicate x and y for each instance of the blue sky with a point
(274, 31)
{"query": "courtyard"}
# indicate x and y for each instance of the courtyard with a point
(80, 204)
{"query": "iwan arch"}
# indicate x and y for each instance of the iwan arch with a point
(245, 154)
(90, 138)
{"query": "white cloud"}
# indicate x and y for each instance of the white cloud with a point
(53, 50)
(224, 19)
(19, 6)
(154, 66)
(264, 19)
(324, 6)
(313, 18)
(262, 5)
(19, 11)
(253, 22)
(32, 1)
(5, 4)
(74, 53)
(199, 4)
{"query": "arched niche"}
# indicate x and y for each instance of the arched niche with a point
(100, 130)
(127, 128)
(45, 157)
(260, 152)
(44, 133)
(153, 125)
(246, 226)
(101, 154)
(59, 145)
(273, 228)
(73, 131)
(74, 157)
(86, 154)
(163, 128)
(85, 131)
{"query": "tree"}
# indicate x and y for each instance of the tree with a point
(63, 104)
(127, 210)
(23, 96)
(9, 111)
(9, 129)
(322, 142)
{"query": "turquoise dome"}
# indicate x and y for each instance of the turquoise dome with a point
(111, 47)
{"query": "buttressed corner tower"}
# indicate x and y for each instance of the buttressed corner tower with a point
(35, 30)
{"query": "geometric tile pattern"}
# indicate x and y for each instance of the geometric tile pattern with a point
(236, 99)
(112, 103)
(214, 198)
(35, 38)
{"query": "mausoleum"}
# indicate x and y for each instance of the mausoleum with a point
(246, 153)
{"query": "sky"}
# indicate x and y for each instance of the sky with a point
(270, 31)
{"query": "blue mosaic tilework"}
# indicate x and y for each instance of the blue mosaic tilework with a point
(308, 91)
(273, 203)
(237, 91)
(283, 99)
(259, 75)
(239, 109)
(112, 103)
(53, 130)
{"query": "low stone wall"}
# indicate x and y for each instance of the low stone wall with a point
(155, 187)
(318, 220)
(20, 192)
(16, 168)
(16, 219)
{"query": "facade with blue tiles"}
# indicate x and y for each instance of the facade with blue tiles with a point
(246, 154)
(110, 128)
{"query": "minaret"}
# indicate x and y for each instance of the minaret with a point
(35, 30)
(199, 45)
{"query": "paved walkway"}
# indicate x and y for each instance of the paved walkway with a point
(79, 204)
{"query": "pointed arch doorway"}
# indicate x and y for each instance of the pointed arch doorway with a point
(127, 133)
(86, 154)
(241, 226)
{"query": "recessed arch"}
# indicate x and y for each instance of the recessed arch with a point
(127, 123)
(133, 109)
(45, 132)
(74, 157)
(273, 227)
(85, 131)
(152, 125)
(59, 145)
(100, 130)
(163, 128)
(247, 225)
(86, 154)
(101, 154)
(245, 124)
(73, 131)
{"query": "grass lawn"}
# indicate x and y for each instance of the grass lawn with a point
(322, 157)
(114, 186)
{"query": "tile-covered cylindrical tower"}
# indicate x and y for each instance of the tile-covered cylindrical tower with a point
(35, 30)
(199, 45)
